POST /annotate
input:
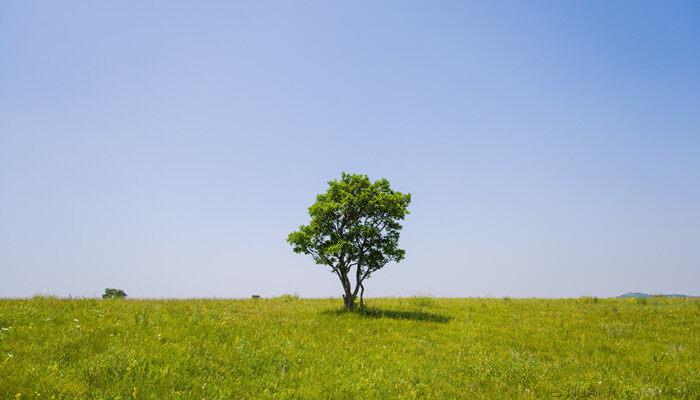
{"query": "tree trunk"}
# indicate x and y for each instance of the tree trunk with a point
(348, 301)
(348, 297)
(362, 295)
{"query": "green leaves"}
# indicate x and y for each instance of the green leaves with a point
(355, 223)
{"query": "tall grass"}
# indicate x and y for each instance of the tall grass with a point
(289, 347)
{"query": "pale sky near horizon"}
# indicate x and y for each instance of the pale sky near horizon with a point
(167, 148)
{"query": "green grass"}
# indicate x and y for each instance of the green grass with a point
(400, 348)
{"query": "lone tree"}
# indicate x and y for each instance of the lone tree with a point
(113, 294)
(355, 224)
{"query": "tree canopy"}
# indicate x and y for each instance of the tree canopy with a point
(354, 229)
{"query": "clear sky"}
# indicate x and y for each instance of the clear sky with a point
(167, 148)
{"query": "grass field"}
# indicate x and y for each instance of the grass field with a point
(287, 348)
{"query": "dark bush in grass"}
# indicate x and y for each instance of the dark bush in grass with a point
(113, 294)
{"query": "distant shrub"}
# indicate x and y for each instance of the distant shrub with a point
(422, 300)
(589, 299)
(641, 301)
(113, 294)
(288, 297)
(40, 296)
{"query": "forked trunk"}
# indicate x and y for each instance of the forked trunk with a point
(349, 301)
(348, 297)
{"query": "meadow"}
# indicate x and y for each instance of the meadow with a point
(289, 348)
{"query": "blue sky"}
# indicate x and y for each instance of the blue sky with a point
(167, 148)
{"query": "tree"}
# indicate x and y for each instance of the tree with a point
(113, 294)
(354, 224)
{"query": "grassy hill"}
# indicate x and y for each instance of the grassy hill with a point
(401, 348)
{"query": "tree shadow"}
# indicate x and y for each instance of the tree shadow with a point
(377, 313)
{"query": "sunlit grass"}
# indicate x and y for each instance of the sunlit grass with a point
(288, 347)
